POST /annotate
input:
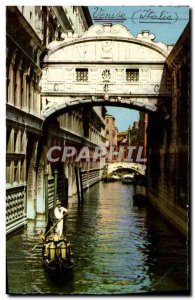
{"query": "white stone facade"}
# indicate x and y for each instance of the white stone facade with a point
(113, 64)
(29, 30)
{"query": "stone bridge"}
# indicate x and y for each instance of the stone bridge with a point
(107, 65)
(138, 168)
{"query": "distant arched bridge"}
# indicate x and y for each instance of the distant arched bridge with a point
(138, 168)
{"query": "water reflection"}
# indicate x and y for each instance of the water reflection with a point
(119, 249)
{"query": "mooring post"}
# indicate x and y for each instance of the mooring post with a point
(55, 185)
(46, 195)
(77, 183)
(81, 184)
(66, 190)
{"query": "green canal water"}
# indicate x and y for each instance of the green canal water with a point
(119, 248)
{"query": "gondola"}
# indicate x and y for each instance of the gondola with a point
(56, 250)
(127, 178)
(57, 253)
(140, 196)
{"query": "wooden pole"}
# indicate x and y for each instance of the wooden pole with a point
(81, 184)
(66, 190)
(77, 183)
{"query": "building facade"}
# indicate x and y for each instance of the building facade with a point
(29, 175)
(168, 140)
(111, 131)
(134, 134)
(123, 143)
(142, 136)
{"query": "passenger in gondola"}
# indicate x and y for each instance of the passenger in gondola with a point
(59, 213)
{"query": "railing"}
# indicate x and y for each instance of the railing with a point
(15, 208)
(90, 177)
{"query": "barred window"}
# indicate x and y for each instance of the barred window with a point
(132, 75)
(82, 74)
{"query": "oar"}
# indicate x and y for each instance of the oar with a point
(48, 232)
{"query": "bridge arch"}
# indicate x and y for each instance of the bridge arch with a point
(135, 167)
(104, 66)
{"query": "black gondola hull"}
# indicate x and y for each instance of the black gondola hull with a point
(56, 257)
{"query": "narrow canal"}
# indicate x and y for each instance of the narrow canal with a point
(119, 249)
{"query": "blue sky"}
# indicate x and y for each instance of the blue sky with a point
(170, 23)
(123, 116)
(165, 32)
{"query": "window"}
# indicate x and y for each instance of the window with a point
(8, 172)
(82, 74)
(132, 75)
(107, 121)
(107, 131)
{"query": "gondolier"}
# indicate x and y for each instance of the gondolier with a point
(59, 213)
(56, 250)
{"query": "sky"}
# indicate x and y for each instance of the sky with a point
(165, 22)
(123, 116)
(139, 18)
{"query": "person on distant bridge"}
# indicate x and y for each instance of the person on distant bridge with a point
(59, 213)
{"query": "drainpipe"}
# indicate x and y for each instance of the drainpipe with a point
(46, 195)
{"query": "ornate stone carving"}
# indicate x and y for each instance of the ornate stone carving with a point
(55, 87)
(105, 88)
(107, 50)
(108, 30)
(106, 75)
(156, 88)
(113, 31)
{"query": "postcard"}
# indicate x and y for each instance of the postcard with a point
(97, 150)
